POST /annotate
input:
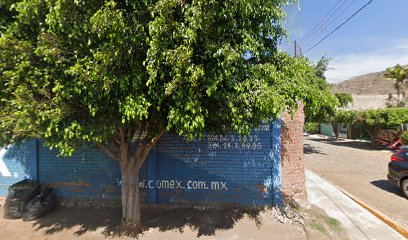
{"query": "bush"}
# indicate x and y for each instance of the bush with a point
(312, 127)
(404, 137)
(373, 120)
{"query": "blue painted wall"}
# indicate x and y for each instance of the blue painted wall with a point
(214, 169)
(219, 168)
(17, 163)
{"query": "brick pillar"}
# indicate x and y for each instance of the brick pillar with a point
(293, 168)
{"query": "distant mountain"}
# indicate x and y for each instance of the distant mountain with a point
(368, 84)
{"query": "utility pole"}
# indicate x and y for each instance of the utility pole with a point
(295, 49)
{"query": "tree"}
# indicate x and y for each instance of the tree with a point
(373, 120)
(404, 137)
(343, 99)
(329, 102)
(119, 74)
(399, 74)
(322, 66)
(376, 119)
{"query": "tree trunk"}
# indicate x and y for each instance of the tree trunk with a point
(336, 130)
(372, 133)
(130, 164)
(131, 217)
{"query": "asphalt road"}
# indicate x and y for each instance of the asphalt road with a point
(361, 170)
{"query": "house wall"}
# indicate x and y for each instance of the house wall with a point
(293, 168)
(214, 169)
(17, 163)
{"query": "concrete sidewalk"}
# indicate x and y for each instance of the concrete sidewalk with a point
(358, 222)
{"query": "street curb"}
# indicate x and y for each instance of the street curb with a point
(376, 213)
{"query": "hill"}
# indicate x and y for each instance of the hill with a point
(367, 84)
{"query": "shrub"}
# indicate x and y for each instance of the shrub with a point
(312, 127)
(404, 137)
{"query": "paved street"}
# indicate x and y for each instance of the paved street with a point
(360, 170)
(359, 223)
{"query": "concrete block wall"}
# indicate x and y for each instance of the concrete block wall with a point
(293, 168)
(88, 174)
(222, 168)
(17, 163)
(214, 169)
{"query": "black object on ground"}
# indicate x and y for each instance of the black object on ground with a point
(39, 206)
(18, 195)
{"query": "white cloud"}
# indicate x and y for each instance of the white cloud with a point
(344, 67)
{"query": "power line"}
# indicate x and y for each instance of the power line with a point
(338, 27)
(311, 32)
(330, 23)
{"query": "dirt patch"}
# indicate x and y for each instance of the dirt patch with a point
(170, 223)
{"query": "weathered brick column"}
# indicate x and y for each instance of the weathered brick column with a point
(293, 168)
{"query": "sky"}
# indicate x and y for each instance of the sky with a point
(374, 39)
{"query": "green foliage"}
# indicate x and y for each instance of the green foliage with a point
(399, 74)
(373, 120)
(322, 66)
(343, 99)
(390, 117)
(312, 127)
(91, 67)
(404, 137)
(74, 72)
(328, 103)
(346, 117)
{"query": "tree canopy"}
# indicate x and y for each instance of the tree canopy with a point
(400, 75)
(374, 119)
(322, 66)
(343, 99)
(328, 101)
(72, 72)
(117, 73)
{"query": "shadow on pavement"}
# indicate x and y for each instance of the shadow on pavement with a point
(309, 149)
(204, 220)
(348, 143)
(387, 186)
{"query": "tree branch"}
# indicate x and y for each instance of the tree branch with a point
(109, 151)
(146, 150)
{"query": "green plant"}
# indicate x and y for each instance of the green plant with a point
(325, 224)
(404, 137)
(344, 99)
(316, 225)
(312, 127)
(399, 74)
(333, 223)
(373, 120)
(329, 103)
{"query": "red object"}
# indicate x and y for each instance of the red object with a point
(396, 144)
(390, 145)
(395, 158)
